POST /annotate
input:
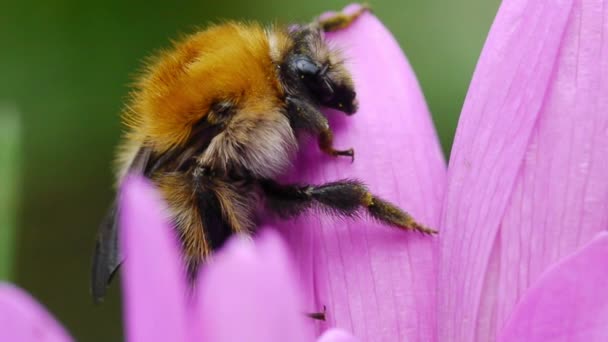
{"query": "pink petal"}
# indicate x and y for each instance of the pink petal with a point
(249, 293)
(527, 177)
(22, 319)
(153, 285)
(376, 281)
(336, 335)
(568, 302)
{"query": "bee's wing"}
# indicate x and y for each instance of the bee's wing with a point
(107, 257)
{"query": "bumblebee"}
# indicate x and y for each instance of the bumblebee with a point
(214, 121)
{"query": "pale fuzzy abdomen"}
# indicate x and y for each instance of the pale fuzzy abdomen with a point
(261, 144)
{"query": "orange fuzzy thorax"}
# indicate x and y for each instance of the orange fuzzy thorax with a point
(229, 62)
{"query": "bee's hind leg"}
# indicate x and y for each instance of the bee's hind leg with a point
(304, 116)
(344, 198)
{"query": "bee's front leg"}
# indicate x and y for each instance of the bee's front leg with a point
(306, 117)
(339, 21)
(326, 140)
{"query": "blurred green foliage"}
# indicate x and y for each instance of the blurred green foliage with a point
(10, 139)
(66, 65)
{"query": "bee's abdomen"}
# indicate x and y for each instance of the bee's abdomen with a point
(216, 228)
(206, 211)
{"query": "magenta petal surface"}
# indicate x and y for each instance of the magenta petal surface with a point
(377, 282)
(248, 292)
(23, 319)
(527, 180)
(569, 302)
(153, 280)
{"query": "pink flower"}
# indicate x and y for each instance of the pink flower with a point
(528, 176)
(245, 294)
(527, 189)
(377, 282)
(521, 255)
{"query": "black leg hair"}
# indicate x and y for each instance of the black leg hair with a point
(343, 198)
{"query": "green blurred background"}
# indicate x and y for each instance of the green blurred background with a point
(65, 66)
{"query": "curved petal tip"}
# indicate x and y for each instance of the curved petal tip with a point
(22, 318)
(251, 284)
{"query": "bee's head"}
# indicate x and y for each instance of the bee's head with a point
(319, 71)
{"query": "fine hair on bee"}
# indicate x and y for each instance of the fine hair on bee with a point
(213, 122)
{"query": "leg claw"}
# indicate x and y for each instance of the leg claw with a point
(346, 153)
(424, 229)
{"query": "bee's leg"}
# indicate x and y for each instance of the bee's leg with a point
(326, 139)
(320, 316)
(306, 117)
(341, 20)
(344, 198)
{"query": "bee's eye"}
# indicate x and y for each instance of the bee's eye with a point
(314, 77)
(305, 66)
